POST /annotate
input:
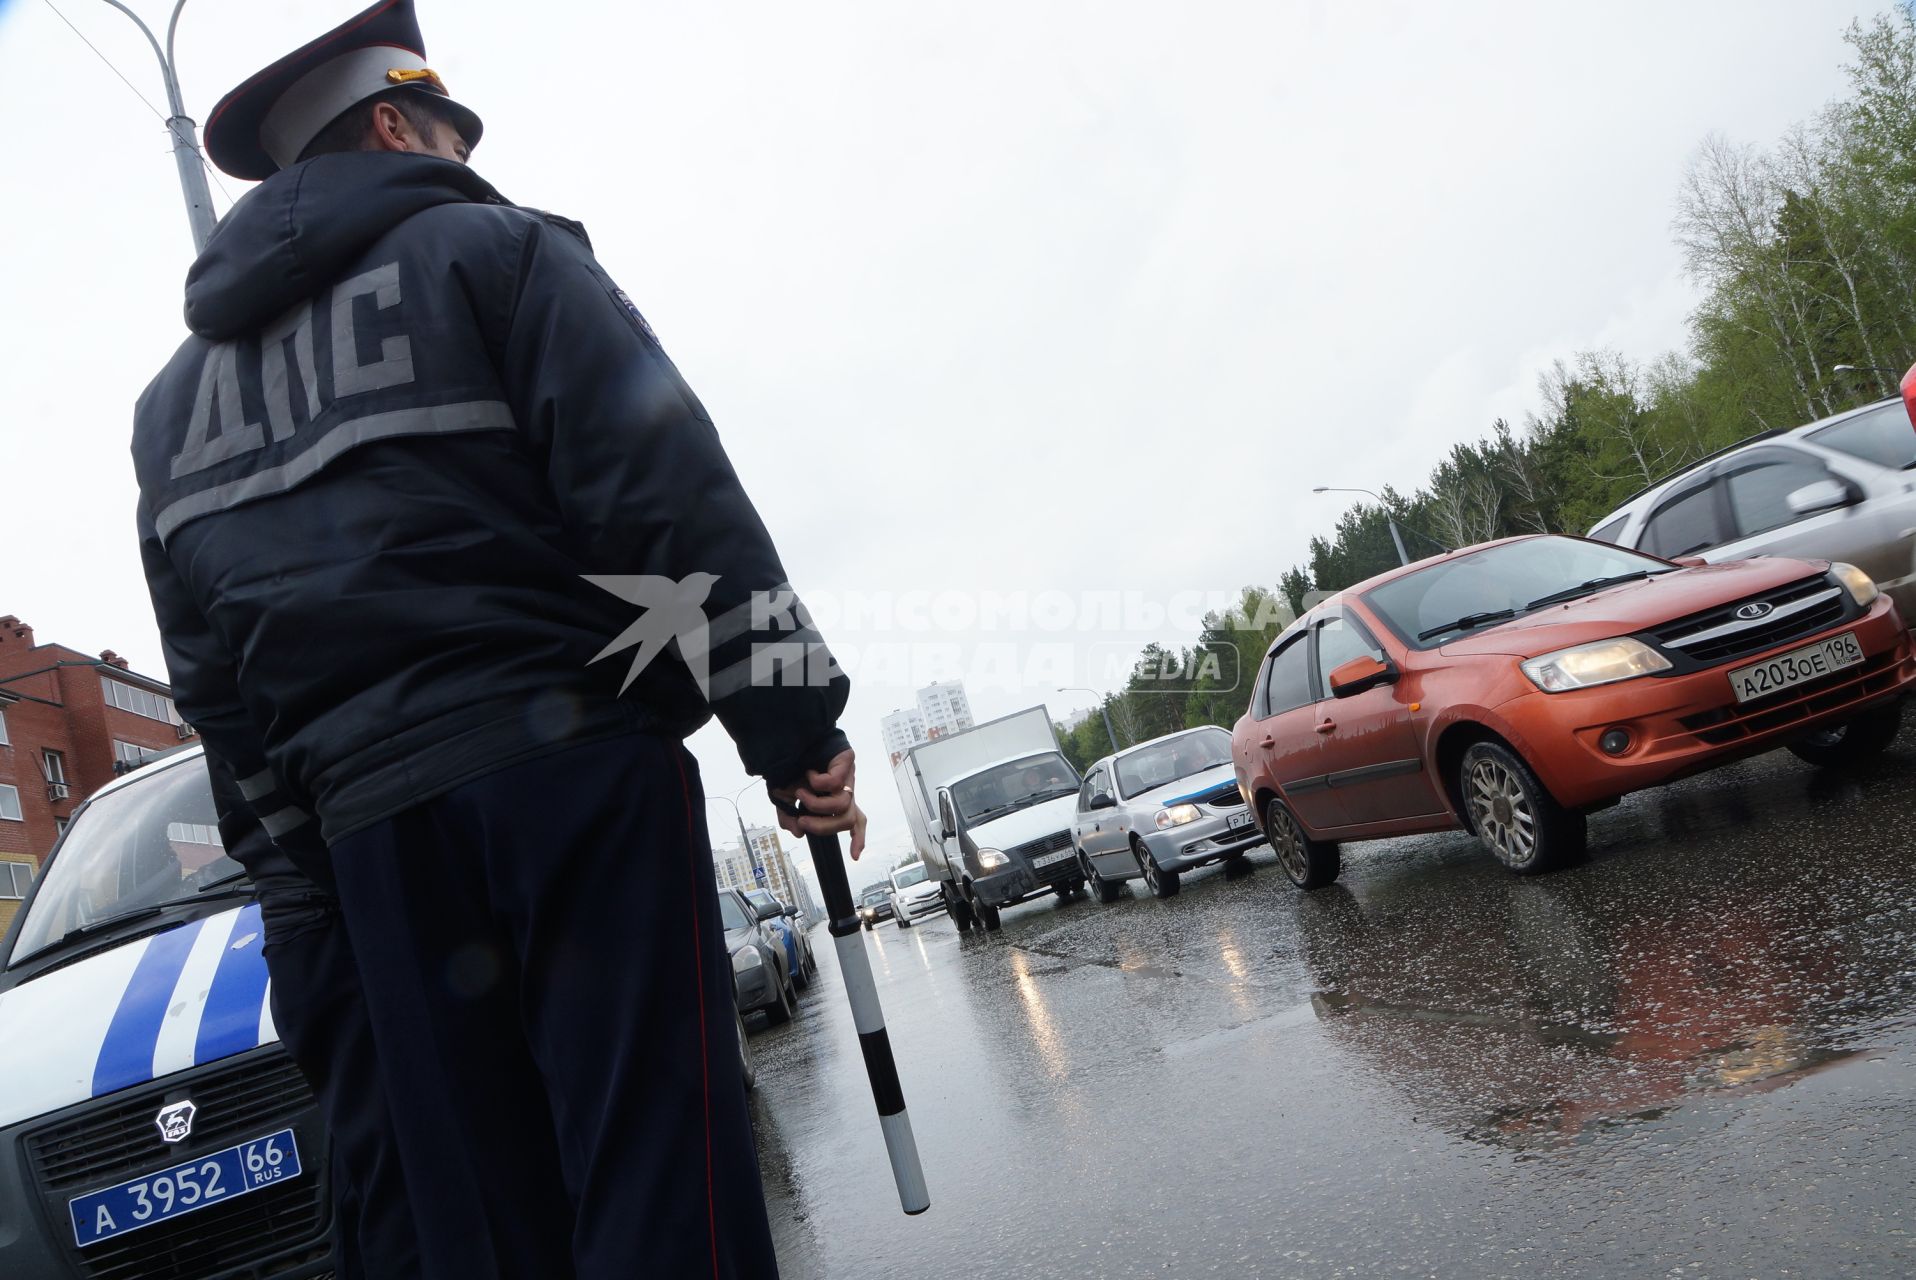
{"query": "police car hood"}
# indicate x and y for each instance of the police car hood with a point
(192, 994)
(292, 235)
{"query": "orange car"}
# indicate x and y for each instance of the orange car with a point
(1511, 688)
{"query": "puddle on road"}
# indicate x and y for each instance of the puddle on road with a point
(1611, 1082)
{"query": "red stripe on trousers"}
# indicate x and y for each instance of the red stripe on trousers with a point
(705, 1062)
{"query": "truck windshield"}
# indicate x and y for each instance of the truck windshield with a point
(152, 842)
(1014, 785)
(906, 877)
(1162, 763)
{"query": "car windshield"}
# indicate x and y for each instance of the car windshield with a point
(1013, 785)
(1149, 768)
(875, 894)
(1479, 588)
(152, 842)
(732, 912)
(1884, 436)
(906, 877)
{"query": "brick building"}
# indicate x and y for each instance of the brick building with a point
(69, 724)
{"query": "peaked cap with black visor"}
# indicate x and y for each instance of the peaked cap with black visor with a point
(264, 125)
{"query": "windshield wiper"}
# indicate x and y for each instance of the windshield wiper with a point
(90, 930)
(1590, 585)
(1468, 621)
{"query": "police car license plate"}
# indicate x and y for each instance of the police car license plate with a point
(1239, 821)
(185, 1188)
(1050, 858)
(1798, 666)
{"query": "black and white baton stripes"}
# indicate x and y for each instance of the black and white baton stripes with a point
(870, 1021)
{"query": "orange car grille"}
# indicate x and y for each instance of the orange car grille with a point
(1733, 723)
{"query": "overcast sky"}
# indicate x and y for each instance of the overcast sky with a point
(985, 296)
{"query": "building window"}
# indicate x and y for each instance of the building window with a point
(10, 804)
(55, 767)
(60, 825)
(131, 755)
(140, 702)
(193, 833)
(5, 741)
(15, 879)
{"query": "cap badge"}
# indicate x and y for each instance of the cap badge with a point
(409, 75)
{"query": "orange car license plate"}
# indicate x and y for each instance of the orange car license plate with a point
(1798, 666)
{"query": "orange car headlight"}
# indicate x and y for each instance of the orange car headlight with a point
(1586, 665)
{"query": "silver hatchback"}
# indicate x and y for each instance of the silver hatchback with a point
(1842, 488)
(1158, 809)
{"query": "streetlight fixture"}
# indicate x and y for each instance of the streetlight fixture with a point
(1403, 556)
(744, 840)
(1109, 732)
(186, 147)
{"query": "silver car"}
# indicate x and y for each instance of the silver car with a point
(1843, 488)
(1158, 809)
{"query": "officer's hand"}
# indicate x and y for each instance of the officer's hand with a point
(827, 801)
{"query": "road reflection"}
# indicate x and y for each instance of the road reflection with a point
(1529, 1013)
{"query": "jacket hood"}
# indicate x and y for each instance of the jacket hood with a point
(293, 235)
(1633, 607)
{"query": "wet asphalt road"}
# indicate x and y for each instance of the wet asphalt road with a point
(1691, 1056)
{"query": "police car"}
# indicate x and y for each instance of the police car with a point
(151, 1125)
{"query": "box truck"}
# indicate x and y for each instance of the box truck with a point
(990, 812)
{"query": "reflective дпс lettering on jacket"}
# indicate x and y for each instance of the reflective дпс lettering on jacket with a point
(412, 421)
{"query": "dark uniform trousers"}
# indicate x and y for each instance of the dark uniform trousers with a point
(320, 1013)
(552, 1006)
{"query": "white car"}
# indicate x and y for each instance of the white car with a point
(914, 895)
(1841, 488)
(151, 1124)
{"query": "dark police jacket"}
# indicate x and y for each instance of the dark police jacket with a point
(403, 492)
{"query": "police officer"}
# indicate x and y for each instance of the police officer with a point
(447, 561)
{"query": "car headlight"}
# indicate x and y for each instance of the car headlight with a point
(1585, 665)
(1177, 815)
(991, 858)
(1862, 587)
(746, 958)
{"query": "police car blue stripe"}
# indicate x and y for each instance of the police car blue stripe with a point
(230, 1022)
(126, 1054)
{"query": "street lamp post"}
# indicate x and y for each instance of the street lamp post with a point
(1403, 556)
(1108, 731)
(186, 147)
(744, 840)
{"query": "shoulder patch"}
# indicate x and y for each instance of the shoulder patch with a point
(644, 326)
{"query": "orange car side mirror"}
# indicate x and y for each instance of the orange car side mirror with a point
(1359, 674)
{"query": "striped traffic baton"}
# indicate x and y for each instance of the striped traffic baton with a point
(913, 1196)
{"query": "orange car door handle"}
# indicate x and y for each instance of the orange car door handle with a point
(1267, 741)
(1326, 726)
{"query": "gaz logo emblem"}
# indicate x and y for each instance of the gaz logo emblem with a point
(176, 1121)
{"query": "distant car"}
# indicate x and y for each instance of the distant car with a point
(781, 919)
(914, 895)
(1842, 488)
(1159, 809)
(874, 904)
(762, 978)
(1512, 687)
